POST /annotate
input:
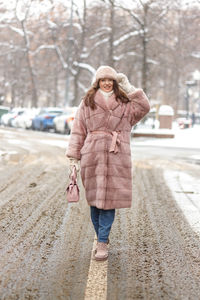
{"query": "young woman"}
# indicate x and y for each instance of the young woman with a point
(100, 140)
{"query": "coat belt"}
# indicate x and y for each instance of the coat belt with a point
(115, 140)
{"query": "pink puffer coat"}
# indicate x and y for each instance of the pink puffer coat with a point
(100, 138)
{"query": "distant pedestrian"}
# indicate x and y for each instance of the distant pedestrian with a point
(193, 119)
(100, 140)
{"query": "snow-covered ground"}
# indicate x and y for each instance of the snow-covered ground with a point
(186, 191)
(184, 138)
(185, 188)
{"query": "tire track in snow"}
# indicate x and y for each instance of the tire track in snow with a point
(160, 247)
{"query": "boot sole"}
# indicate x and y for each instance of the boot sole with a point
(101, 258)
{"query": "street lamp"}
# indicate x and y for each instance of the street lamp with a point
(189, 84)
(196, 76)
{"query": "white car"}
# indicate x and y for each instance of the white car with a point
(8, 118)
(15, 119)
(63, 123)
(25, 120)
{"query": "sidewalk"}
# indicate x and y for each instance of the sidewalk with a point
(184, 138)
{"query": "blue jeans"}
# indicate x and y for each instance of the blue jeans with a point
(102, 220)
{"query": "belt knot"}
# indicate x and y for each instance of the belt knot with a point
(115, 142)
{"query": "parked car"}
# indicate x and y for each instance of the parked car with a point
(63, 122)
(7, 118)
(44, 121)
(184, 123)
(14, 120)
(3, 110)
(25, 120)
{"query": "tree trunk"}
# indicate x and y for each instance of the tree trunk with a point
(76, 99)
(111, 49)
(13, 95)
(144, 50)
(34, 96)
(55, 96)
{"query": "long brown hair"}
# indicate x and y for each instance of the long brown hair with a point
(119, 93)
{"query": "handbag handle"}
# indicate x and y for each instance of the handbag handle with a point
(73, 175)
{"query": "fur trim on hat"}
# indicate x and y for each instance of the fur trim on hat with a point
(105, 72)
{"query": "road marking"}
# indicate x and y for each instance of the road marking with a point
(96, 288)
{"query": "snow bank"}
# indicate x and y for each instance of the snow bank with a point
(166, 110)
(184, 138)
(60, 144)
(186, 192)
(9, 155)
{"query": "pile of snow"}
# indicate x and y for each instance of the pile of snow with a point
(166, 110)
(57, 143)
(9, 155)
(186, 192)
(184, 138)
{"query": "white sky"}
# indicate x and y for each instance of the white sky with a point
(39, 6)
(46, 4)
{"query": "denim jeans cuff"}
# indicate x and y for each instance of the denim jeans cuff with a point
(103, 240)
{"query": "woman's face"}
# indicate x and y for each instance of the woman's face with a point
(106, 84)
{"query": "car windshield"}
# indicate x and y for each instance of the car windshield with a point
(44, 111)
(68, 113)
(54, 111)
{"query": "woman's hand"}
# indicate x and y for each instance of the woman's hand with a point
(124, 83)
(73, 162)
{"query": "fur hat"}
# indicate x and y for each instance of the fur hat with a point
(105, 72)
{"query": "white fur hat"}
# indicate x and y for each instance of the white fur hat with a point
(105, 72)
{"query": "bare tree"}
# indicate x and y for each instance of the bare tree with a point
(154, 42)
(22, 19)
(80, 51)
(146, 15)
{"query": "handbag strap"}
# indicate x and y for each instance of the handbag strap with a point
(73, 175)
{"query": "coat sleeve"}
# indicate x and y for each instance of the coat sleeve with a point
(78, 134)
(139, 106)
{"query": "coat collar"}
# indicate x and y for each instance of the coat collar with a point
(110, 104)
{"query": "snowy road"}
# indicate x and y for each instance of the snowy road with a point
(46, 245)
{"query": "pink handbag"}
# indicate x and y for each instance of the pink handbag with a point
(73, 189)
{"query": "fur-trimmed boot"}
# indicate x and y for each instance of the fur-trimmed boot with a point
(102, 251)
